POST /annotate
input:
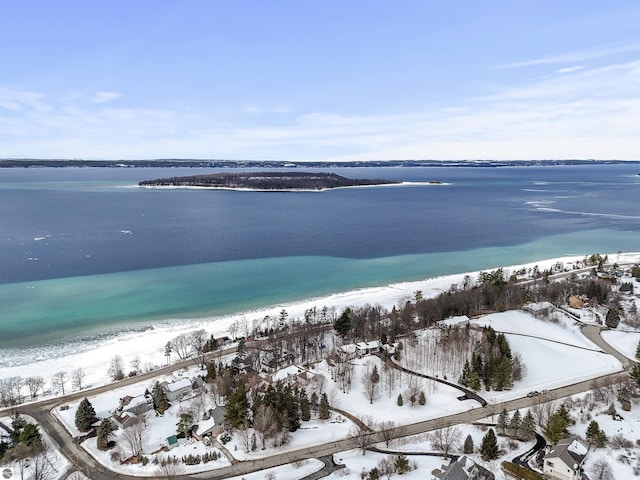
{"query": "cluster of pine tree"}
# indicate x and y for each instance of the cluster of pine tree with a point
(198, 459)
(522, 428)
(289, 406)
(492, 364)
(25, 440)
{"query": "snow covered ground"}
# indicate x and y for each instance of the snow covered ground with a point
(558, 355)
(626, 342)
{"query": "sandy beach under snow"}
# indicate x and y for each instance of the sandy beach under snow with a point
(149, 345)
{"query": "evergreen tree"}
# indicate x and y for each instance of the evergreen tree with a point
(422, 399)
(595, 436)
(503, 421)
(30, 436)
(635, 374)
(314, 401)
(515, 423)
(638, 351)
(557, 425)
(238, 407)
(474, 382)
(613, 317)
(185, 424)
(342, 325)
(105, 429)
(489, 446)
(323, 409)
(468, 445)
(160, 400)
(305, 409)
(528, 427)
(401, 464)
(400, 401)
(465, 378)
(85, 415)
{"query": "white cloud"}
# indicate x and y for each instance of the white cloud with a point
(104, 97)
(591, 113)
(576, 56)
(570, 69)
(255, 110)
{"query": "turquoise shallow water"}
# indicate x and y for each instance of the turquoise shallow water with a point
(52, 311)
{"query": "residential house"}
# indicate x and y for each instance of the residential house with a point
(564, 461)
(137, 405)
(463, 468)
(292, 375)
(123, 420)
(367, 348)
(211, 424)
(204, 428)
(197, 384)
(178, 390)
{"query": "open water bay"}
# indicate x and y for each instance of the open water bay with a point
(83, 252)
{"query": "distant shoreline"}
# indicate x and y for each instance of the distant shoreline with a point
(221, 163)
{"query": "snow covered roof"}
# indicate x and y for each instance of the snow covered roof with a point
(179, 385)
(368, 345)
(285, 372)
(455, 320)
(538, 306)
(349, 348)
(571, 451)
(132, 402)
(205, 427)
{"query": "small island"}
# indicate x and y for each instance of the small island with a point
(269, 181)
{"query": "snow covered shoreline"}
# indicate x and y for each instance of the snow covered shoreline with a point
(148, 345)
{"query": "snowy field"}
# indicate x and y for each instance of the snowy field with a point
(625, 342)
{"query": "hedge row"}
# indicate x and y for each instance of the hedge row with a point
(520, 472)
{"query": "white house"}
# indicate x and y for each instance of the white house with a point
(178, 390)
(136, 405)
(565, 460)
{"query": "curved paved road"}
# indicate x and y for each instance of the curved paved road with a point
(82, 461)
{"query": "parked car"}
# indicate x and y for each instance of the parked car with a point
(534, 393)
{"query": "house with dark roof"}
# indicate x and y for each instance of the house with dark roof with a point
(463, 468)
(123, 420)
(564, 461)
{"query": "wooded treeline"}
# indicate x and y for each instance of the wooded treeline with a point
(266, 181)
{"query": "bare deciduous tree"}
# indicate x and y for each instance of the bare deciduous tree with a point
(133, 438)
(233, 329)
(170, 470)
(370, 384)
(116, 368)
(77, 378)
(389, 430)
(541, 411)
(59, 380)
(601, 470)
(264, 423)
(445, 439)
(361, 432)
(198, 342)
(180, 345)
(42, 464)
(34, 384)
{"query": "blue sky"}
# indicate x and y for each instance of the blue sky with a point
(320, 80)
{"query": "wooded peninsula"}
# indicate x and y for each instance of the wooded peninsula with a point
(266, 181)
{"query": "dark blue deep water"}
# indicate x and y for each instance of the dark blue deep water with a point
(62, 230)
